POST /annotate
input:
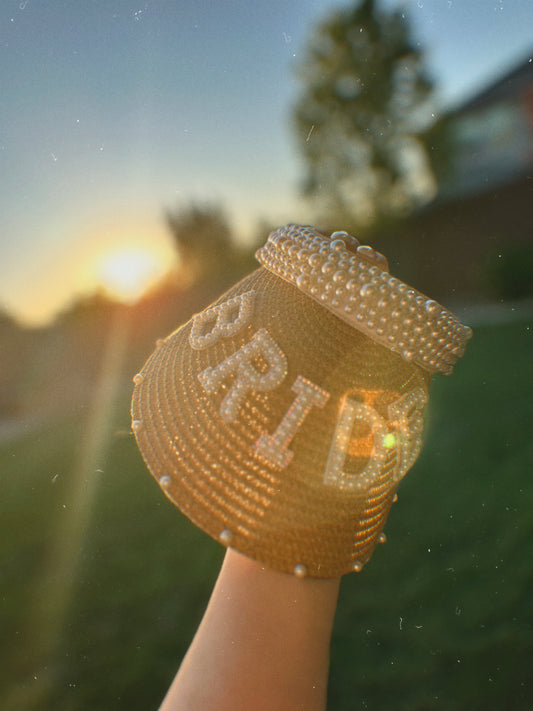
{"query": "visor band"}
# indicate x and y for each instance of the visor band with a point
(352, 282)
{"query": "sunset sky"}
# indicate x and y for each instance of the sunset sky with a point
(112, 111)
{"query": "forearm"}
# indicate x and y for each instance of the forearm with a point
(263, 643)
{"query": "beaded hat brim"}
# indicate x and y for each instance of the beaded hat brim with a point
(353, 282)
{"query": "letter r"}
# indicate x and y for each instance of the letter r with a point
(247, 378)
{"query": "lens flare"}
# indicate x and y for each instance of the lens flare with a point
(127, 273)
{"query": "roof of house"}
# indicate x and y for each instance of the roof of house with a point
(510, 84)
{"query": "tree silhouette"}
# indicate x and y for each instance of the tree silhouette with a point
(203, 240)
(361, 114)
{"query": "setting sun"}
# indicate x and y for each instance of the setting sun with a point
(126, 273)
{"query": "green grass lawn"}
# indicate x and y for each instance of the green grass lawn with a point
(98, 608)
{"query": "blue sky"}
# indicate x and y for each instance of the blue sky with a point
(113, 110)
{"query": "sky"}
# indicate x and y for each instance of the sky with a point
(112, 111)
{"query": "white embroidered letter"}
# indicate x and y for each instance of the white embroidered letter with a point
(335, 475)
(247, 377)
(275, 447)
(221, 321)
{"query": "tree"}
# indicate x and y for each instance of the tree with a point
(203, 240)
(360, 118)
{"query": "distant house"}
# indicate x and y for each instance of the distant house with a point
(493, 136)
(481, 220)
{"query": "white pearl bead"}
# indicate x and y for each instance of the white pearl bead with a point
(341, 235)
(226, 536)
(366, 251)
(352, 285)
(337, 245)
(314, 261)
(367, 291)
(302, 282)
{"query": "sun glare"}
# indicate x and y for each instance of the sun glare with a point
(127, 273)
